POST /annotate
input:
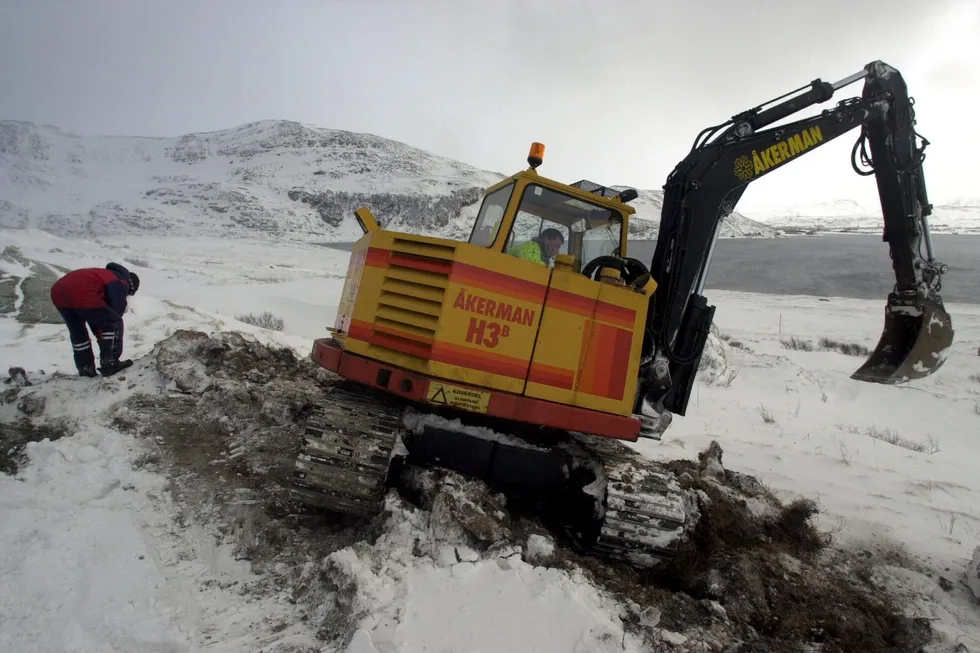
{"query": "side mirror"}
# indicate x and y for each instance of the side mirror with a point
(628, 195)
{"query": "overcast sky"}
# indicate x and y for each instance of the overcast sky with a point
(616, 89)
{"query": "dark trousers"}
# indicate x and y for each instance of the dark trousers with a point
(108, 330)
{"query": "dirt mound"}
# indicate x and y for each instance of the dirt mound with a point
(15, 436)
(235, 410)
(755, 577)
(227, 435)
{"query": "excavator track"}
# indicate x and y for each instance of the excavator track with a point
(353, 434)
(646, 512)
(348, 445)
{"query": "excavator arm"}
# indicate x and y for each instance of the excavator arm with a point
(705, 187)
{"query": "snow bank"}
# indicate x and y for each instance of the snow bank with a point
(63, 584)
(500, 603)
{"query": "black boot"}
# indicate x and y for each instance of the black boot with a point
(112, 367)
(87, 370)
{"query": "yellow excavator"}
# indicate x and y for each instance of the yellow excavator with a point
(529, 355)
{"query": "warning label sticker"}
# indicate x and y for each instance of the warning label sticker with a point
(457, 397)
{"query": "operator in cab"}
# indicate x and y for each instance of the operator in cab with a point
(540, 249)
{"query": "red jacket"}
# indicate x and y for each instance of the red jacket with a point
(91, 288)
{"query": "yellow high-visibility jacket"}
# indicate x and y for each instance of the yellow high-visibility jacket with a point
(529, 251)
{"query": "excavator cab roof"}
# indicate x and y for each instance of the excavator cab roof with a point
(584, 194)
(526, 203)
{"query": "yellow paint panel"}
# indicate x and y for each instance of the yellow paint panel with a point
(610, 360)
(475, 377)
(447, 309)
(591, 337)
(640, 304)
(564, 325)
(355, 267)
(467, 314)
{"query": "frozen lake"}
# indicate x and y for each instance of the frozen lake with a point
(830, 265)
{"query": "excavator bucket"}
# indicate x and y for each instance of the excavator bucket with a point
(913, 343)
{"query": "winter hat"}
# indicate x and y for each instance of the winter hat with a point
(134, 281)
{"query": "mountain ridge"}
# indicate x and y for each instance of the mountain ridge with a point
(268, 178)
(957, 216)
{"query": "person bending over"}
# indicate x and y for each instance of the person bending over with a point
(96, 298)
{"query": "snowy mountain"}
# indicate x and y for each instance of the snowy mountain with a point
(650, 202)
(845, 215)
(266, 179)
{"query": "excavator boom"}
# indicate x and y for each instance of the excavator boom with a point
(706, 186)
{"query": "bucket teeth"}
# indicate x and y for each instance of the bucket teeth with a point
(913, 343)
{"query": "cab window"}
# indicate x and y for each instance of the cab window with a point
(491, 213)
(528, 226)
(601, 240)
(588, 230)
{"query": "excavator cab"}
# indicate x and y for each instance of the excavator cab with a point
(592, 219)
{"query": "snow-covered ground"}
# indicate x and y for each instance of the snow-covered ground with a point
(97, 555)
(960, 216)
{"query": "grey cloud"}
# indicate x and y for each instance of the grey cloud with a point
(616, 89)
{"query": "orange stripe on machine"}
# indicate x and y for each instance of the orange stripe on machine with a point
(423, 263)
(391, 339)
(618, 315)
(438, 350)
(606, 361)
(549, 375)
(377, 257)
(586, 307)
(444, 352)
(570, 302)
(470, 275)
